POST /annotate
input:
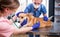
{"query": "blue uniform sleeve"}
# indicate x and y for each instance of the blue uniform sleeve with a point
(44, 9)
(28, 8)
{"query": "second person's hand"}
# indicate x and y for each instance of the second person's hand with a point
(35, 26)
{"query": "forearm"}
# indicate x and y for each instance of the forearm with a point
(44, 14)
(22, 30)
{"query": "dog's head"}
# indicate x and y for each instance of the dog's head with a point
(22, 16)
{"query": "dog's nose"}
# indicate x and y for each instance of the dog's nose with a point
(18, 21)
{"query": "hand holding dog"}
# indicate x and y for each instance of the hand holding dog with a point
(45, 18)
(36, 25)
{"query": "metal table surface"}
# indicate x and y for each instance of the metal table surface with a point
(54, 30)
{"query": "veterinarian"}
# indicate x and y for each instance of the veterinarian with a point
(7, 7)
(37, 8)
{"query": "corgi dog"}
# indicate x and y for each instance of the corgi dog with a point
(31, 20)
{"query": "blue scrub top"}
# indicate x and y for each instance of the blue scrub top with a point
(37, 12)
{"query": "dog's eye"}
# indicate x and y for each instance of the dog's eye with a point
(21, 17)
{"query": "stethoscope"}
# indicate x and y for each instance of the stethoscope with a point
(15, 23)
(13, 20)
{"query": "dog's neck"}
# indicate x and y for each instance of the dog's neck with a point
(31, 19)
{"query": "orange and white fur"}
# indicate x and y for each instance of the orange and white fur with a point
(32, 20)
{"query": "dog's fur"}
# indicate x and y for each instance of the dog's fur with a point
(32, 20)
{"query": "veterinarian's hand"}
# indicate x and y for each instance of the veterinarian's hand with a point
(17, 14)
(37, 25)
(45, 18)
(24, 22)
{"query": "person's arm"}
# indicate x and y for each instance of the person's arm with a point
(22, 30)
(27, 9)
(45, 18)
(45, 14)
(26, 29)
(43, 10)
